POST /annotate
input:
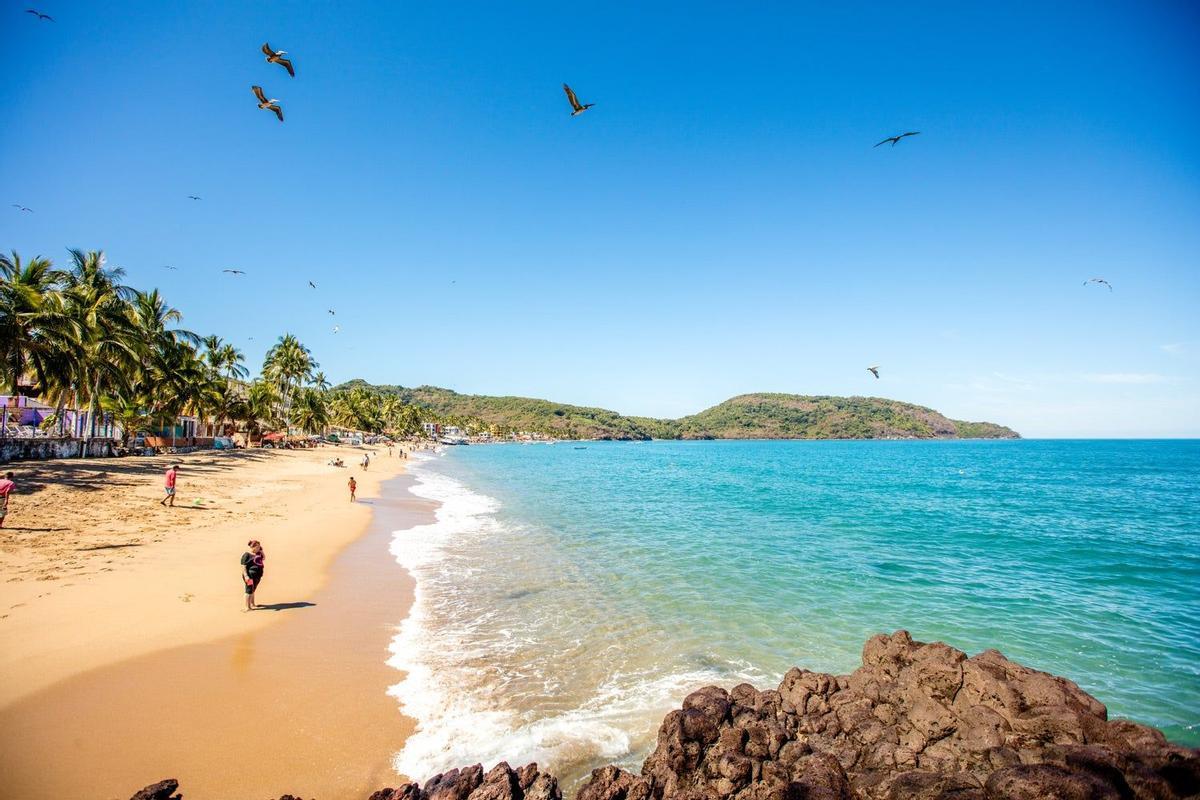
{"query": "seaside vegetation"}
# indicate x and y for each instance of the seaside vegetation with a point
(78, 337)
(749, 416)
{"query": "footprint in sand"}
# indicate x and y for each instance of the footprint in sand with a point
(187, 598)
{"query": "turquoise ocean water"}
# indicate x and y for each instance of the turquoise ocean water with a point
(567, 598)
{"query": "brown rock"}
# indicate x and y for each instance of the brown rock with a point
(163, 790)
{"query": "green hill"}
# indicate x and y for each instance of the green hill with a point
(747, 416)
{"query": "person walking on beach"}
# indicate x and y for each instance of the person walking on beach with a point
(252, 571)
(366, 462)
(353, 488)
(6, 487)
(169, 487)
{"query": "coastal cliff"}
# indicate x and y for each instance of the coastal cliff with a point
(916, 720)
(747, 416)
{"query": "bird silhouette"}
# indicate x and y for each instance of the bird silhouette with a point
(194, 197)
(577, 108)
(277, 57)
(22, 208)
(264, 103)
(313, 285)
(332, 313)
(874, 371)
(336, 328)
(894, 139)
(1098, 280)
(168, 266)
(233, 271)
(39, 14)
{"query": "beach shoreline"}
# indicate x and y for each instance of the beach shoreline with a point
(307, 683)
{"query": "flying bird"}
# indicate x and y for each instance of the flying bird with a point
(874, 371)
(277, 57)
(22, 208)
(168, 266)
(332, 313)
(269, 105)
(194, 197)
(336, 328)
(578, 108)
(39, 14)
(233, 271)
(313, 285)
(1098, 280)
(894, 139)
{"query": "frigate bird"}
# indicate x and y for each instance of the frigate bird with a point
(874, 371)
(269, 105)
(1098, 280)
(22, 208)
(277, 57)
(577, 107)
(39, 14)
(894, 139)
(233, 271)
(313, 285)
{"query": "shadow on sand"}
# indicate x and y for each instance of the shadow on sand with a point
(283, 606)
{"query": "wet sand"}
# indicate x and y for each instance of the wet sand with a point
(299, 706)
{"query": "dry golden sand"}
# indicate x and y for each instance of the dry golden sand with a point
(124, 658)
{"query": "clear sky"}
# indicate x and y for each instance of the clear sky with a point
(719, 223)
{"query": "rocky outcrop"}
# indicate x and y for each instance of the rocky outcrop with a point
(916, 721)
(501, 782)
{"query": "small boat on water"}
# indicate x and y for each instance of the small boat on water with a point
(581, 448)
(453, 440)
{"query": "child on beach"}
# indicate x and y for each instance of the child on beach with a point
(252, 571)
(6, 487)
(353, 487)
(169, 487)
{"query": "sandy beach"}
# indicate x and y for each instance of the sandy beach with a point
(121, 637)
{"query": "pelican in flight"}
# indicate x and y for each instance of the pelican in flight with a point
(894, 139)
(269, 105)
(1098, 280)
(22, 208)
(39, 14)
(233, 271)
(577, 107)
(313, 285)
(277, 57)
(874, 371)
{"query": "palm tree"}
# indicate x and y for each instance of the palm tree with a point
(34, 328)
(288, 365)
(104, 350)
(309, 411)
(319, 383)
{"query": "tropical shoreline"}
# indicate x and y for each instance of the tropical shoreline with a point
(230, 675)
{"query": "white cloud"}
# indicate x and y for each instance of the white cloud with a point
(1124, 377)
(1174, 348)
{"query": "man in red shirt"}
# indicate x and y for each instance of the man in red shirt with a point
(6, 486)
(169, 500)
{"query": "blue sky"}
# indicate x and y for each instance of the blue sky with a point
(719, 223)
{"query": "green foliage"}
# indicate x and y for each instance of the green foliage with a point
(751, 416)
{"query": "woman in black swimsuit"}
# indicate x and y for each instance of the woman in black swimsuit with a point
(252, 570)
